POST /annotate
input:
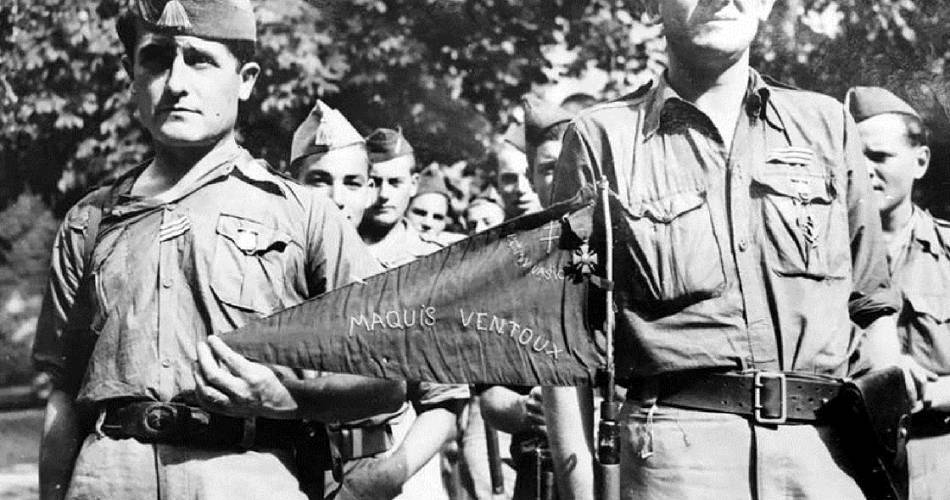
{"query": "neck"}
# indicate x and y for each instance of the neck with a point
(716, 87)
(897, 218)
(173, 162)
(374, 233)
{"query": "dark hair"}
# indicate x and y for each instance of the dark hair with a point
(127, 29)
(917, 132)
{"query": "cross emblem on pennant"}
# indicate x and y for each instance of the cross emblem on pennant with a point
(584, 260)
(554, 234)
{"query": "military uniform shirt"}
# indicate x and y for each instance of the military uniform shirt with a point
(240, 243)
(747, 255)
(921, 272)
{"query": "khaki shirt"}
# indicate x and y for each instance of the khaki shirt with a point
(748, 255)
(239, 244)
(921, 271)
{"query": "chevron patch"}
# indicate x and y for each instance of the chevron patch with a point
(173, 228)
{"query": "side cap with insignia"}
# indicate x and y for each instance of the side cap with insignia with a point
(324, 129)
(213, 19)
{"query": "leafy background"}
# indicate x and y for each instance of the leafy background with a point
(449, 72)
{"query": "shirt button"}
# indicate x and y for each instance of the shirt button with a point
(166, 363)
(743, 245)
(167, 282)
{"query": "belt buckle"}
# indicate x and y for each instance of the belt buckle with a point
(759, 380)
(159, 420)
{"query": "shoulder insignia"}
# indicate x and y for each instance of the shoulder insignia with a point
(775, 83)
(636, 94)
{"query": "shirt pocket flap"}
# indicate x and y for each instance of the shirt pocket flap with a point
(935, 305)
(251, 237)
(668, 208)
(807, 187)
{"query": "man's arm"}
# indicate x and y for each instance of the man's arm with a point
(508, 411)
(56, 353)
(568, 414)
(59, 445)
(230, 384)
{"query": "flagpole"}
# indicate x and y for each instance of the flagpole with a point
(608, 435)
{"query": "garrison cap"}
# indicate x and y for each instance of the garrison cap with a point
(215, 19)
(324, 129)
(385, 144)
(540, 117)
(865, 102)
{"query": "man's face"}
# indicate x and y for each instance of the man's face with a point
(542, 176)
(893, 163)
(187, 89)
(702, 27)
(513, 183)
(343, 176)
(395, 184)
(481, 216)
(429, 213)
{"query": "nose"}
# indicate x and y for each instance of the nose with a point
(177, 72)
(524, 185)
(336, 194)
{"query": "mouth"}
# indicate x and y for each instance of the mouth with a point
(173, 109)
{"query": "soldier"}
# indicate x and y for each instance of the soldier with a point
(482, 213)
(330, 155)
(195, 241)
(746, 234)
(544, 127)
(918, 256)
(513, 182)
(429, 210)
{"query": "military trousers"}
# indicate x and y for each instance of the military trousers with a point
(678, 454)
(125, 468)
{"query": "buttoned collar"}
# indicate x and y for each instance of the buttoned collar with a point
(757, 103)
(239, 163)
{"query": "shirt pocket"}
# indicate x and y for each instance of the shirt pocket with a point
(249, 264)
(674, 249)
(804, 225)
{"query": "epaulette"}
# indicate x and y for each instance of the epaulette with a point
(775, 83)
(636, 94)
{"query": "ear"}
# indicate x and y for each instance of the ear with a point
(249, 73)
(765, 8)
(415, 185)
(923, 161)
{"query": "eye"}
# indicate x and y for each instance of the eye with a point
(508, 178)
(354, 183)
(438, 217)
(199, 59)
(156, 58)
(876, 156)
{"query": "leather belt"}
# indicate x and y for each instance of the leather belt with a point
(929, 423)
(359, 442)
(769, 398)
(179, 423)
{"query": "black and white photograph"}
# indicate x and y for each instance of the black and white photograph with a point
(474, 249)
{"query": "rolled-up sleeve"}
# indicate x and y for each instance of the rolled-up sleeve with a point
(426, 395)
(871, 293)
(51, 346)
